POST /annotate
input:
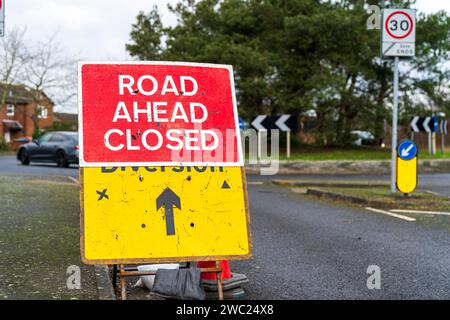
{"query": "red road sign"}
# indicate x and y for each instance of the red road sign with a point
(394, 24)
(157, 113)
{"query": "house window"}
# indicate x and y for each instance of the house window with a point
(10, 110)
(43, 112)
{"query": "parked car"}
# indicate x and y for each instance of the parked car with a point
(59, 146)
(361, 138)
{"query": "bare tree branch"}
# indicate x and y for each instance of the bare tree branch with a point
(14, 55)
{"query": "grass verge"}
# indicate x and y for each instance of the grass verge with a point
(310, 153)
(417, 201)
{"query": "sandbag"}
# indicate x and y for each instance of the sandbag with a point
(179, 284)
(147, 281)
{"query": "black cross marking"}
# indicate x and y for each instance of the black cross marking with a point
(102, 194)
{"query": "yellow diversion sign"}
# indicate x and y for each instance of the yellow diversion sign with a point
(406, 166)
(155, 214)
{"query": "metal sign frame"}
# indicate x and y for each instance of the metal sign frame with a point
(162, 259)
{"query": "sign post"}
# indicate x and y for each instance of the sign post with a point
(443, 128)
(433, 134)
(394, 124)
(406, 163)
(398, 36)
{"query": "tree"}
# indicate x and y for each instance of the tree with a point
(49, 70)
(146, 34)
(429, 74)
(296, 55)
(14, 55)
(41, 67)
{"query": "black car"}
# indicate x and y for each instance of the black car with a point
(59, 146)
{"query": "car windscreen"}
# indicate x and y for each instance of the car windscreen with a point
(73, 136)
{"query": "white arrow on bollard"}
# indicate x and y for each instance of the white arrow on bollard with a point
(414, 126)
(425, 124)
(256, 123)
(280, 123)
(405, 152)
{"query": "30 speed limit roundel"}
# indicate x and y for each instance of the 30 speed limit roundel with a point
(399, 25)
(399, 33)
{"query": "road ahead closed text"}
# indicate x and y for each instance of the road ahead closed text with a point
(158, 113)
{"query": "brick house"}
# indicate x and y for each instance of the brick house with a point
(67, 121)
(16, 115)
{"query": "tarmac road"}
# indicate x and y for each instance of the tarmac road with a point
(434, 182)
(10, 165)
(308, 249)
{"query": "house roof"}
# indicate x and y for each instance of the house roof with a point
(65, 117)
(18, 94)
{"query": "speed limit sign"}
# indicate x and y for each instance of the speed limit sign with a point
(398, 33)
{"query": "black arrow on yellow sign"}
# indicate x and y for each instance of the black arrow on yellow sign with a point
(168, 199)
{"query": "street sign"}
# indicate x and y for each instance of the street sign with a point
(444, 127)
(407, 150)
(284, 123)
(2, 18)
(398, 33)
(424, 124)
(406, 166)
(162, 214)
(157, 113)
(398, 37)
(241, 124)
(435, 123)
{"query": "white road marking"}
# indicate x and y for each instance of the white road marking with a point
(432, 192)
(390, 214)
(254, 182)
(74, 180)
(420, 211)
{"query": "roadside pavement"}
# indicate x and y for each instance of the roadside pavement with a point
(39, 240)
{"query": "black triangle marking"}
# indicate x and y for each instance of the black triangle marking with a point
(225, 185)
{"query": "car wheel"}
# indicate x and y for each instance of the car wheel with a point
(24, 159)
(61, 159)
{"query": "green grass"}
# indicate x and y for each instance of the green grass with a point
(361, 153)
(7, 153)
(417, 200)
(383, 199)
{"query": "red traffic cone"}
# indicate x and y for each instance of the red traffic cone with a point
(226, 273)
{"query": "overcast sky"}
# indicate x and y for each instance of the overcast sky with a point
(99, 29)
